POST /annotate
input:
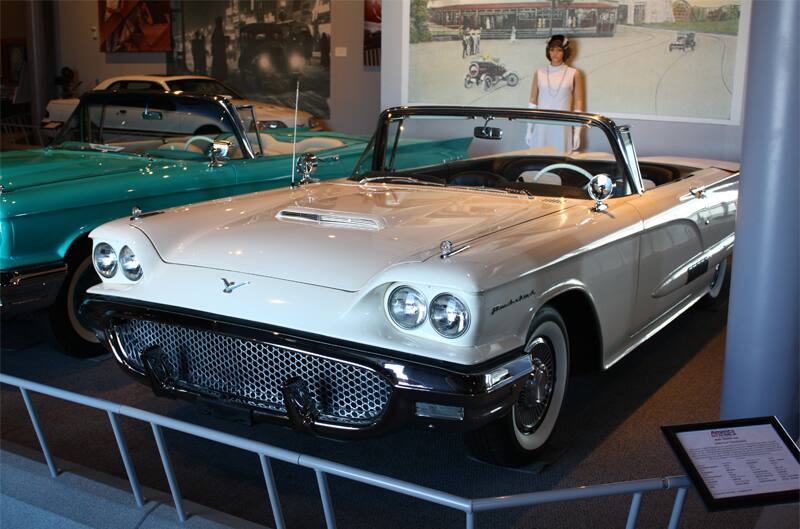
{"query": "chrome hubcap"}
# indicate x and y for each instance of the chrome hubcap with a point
(535, 398)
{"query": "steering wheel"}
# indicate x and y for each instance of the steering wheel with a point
(196, 138)
(581, 171)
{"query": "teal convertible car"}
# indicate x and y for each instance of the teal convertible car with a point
(124, 154)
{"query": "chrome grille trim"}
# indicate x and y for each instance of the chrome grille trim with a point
(251, 372)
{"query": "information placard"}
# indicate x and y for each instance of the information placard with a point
(739, 463)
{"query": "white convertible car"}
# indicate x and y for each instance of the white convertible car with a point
(269, 116)
(455, 296)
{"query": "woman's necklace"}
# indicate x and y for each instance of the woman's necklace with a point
(550, 87)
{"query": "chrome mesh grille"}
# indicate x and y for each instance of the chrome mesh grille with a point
(252, 372)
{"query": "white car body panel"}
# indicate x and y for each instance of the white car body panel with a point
(59, 110)
(332, 281)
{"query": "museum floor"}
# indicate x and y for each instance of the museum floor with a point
(608, 432)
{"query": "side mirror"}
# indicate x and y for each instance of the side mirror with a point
(219, 151)
(600, 188)
(306, 164)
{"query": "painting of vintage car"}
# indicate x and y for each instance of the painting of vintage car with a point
(455, 295)
(684, 41)
(488, 73)
(139, 150)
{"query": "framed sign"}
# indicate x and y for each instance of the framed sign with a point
(738, 463)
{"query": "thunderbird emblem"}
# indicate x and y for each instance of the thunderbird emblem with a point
(230, 286)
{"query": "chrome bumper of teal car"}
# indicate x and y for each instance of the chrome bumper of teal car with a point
(30, 288)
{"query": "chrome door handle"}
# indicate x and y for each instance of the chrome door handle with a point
(698, 192)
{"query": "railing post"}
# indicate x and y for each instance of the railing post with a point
(272, 490)
(470, 520)
(173, 483)
(677, 507)
(126, 459)
(39, 434)
(633, 513)
(325, 494)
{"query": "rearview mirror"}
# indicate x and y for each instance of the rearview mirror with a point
(489, 133)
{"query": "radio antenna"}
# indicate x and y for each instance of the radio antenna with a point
(294, 138)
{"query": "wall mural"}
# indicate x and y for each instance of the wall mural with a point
(654, 59)
(258, 47)
(134, 25)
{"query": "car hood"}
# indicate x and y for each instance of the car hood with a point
(38, 167)
(337, 235)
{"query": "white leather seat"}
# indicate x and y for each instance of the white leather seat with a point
(543, 178)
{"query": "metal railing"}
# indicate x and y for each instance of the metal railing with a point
(323, 468)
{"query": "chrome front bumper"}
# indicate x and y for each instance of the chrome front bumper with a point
(418, 394)
(30, 288)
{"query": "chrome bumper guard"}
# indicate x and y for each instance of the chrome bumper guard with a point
(323, 386)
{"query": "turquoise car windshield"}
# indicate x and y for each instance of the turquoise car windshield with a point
(169, 129)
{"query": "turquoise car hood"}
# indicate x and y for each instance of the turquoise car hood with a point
(38, 167)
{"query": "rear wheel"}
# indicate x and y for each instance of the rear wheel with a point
(716, 284)
(514, 439)
(512, 79)
(69, 328)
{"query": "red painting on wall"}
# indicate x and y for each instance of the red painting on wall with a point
(372, 32)
(135, 25)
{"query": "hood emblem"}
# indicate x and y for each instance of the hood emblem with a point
(230, 286)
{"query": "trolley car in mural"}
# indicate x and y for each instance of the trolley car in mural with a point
(523, 20)
(488, 73)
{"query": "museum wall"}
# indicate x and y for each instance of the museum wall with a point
(12, 19)
(355, 89)
(652, 137)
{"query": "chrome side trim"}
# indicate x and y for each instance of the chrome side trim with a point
(642, 336)
(17, 279)
(679, 277)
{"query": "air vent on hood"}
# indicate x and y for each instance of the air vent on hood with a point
(332, 220)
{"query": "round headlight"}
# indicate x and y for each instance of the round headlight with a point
(407, 307)
(130, 264)
(105, 260)
(449, 316)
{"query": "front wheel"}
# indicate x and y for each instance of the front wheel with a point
(513, 439)
(487, 82)
(70, 331)
(467, 81)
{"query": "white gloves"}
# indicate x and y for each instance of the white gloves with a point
(576, 138)
(529, 141)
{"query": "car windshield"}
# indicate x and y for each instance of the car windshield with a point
(209, 87)
(175, 128)
(542, 155)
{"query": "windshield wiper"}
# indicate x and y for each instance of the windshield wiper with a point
(400, 179)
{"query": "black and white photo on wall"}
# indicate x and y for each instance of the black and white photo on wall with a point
(261, 48)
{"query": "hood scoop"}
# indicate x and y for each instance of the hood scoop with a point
(329, 219)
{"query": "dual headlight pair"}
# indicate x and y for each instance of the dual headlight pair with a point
(409, 309)
(106, 262)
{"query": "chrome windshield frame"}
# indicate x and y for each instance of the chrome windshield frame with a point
(625, 155)
(143, 99)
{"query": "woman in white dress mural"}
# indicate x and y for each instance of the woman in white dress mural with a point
(556, 87)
